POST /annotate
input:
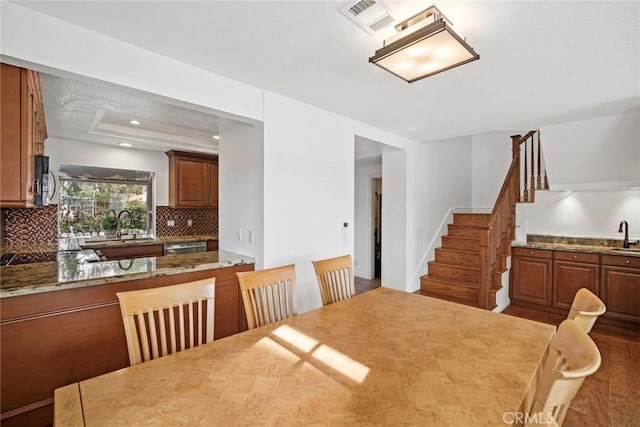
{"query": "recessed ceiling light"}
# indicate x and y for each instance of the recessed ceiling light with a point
(124, 144)
(216, 136)
(135, 122)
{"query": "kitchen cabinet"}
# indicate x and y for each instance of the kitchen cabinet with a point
(22, 134)
(531, 276)
(615, 279)
(193, 180)
(51, 339)
(212, 245)
(572, 271)
(621, 287)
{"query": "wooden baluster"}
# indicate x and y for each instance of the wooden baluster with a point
(533, 164)
(539, 181)
(526, 174)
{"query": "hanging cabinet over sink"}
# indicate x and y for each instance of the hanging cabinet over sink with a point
(22, 135)
(193, 180)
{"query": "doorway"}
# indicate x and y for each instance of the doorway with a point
(376, 221)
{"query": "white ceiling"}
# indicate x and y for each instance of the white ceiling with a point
(540, 62)
(100, 112)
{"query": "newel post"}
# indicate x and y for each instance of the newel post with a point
(485, 268)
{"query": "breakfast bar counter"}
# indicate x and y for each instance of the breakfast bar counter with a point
(60, 321)
(75, 269)
(380, 358)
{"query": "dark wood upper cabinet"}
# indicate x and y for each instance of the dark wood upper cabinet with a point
(193, 180)
(22, 134)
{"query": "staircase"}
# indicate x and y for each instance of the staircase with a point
(468, 267)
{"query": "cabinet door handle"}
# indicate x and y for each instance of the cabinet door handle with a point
(575, 257)
(532, 252)
(626, 261)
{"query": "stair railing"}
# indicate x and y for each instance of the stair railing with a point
(525, 175)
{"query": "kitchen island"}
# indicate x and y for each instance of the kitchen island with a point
(60, 320)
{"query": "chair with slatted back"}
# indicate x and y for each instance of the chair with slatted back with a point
(586, 308)
(572, 357)
(335, 279)
(168, 319)
(268, 295)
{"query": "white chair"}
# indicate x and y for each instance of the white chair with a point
(585, 309)
(573, 356)
(168, 319)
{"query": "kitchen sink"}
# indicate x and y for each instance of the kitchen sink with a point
(97, 243)
(626, 250)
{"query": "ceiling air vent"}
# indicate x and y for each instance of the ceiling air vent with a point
(368, 15)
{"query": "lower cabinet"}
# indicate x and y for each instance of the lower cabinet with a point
(621, 288)
(548, 280)
(52, 339)
(572, 271)
(531, 276)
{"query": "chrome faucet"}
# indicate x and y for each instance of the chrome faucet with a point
(132, 220)
(624, 224)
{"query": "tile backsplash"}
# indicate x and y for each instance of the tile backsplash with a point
(204, 221)
(31, 225)
(40, 225)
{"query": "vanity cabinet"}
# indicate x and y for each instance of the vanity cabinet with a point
(22, 134)
(621, 287)
(531, 275)
(572, 271)
(193, 180)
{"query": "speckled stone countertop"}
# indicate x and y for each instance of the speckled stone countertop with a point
(75, 269)
(70, 244)
(578, 244)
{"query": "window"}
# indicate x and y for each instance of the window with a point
(97, 201)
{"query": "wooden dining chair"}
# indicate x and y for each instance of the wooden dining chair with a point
(168, 319)
(335, 279)
(572, 357)
(268, 295)
(585, 309)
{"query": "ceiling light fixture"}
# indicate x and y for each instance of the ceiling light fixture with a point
(135, 122)
(125, 144)
(216, 136)
(425, 46)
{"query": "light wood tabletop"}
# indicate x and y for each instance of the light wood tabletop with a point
(380, 358)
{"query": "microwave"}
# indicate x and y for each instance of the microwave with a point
(45, 182)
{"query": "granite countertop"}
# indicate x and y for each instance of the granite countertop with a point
(577, 244)
(74, 269)
(70, 244)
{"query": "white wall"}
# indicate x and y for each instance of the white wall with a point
(491, 157)
(83, 153)
(439, 178)
(580, 213)
(308, 189)
(241, 171)
(366, 170)
(597, 153)
(394, 220)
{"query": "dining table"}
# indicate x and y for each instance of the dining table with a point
(383, 357)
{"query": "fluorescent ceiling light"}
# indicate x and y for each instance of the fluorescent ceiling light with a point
(135, 122)
(124, 144)
(425, 46)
